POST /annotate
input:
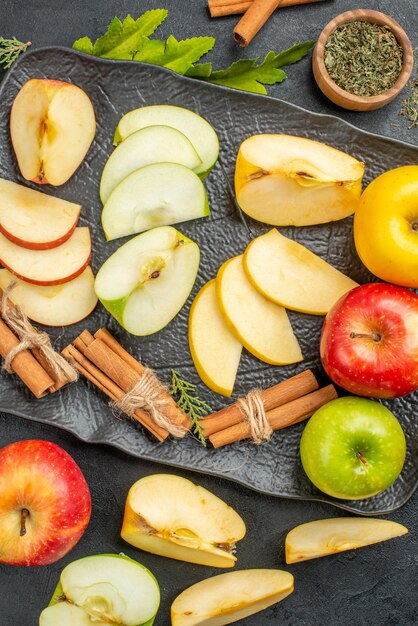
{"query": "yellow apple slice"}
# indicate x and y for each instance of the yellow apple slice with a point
(57, 305)
(227, 598)
(291, 275)
(33, 219)
(171, 516)
(262, 326)
(293, 181)
(215, 350)
(330, 536)
(52, 125)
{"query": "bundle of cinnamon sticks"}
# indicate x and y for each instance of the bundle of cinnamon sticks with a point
(289, 402)
(103, 361)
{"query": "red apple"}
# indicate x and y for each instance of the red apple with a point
(369, 342)
(45, 503)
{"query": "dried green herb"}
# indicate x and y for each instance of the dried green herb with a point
(184, 393)
(409, 108)
(362, 58)
(10, 49)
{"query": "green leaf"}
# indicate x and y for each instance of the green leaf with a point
(201, 70)
(84, 44)
(175, 55)
(294, 54)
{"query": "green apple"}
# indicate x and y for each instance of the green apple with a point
(196, 128)
(155, 195)
(145, 283)
(353, 448)
(103, 589)
(153, 144)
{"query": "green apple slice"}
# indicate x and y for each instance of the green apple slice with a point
(153, 144)
(103, 589)
(155, 195)
(196, 128)
(145, 283)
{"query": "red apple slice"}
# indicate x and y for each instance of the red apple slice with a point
(33, 219)
(52, 125)
(48, 267)
(54, 305)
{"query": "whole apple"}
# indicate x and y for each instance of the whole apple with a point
(45, 503)
(353, 448)
(369, 341)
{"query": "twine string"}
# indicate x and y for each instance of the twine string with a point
(146, 395)
(30, 338)
(253, 410)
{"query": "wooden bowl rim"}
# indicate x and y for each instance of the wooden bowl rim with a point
(376, 17)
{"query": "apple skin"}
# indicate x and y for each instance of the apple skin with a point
(384, 363)
(353, 448)
(42, 478)
(38, 246)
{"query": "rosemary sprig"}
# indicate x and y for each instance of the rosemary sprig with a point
(10, 49)
(189, 402)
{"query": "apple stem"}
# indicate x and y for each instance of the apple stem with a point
(377, 337)
(361, 458)
(414, 226)
(24, 514)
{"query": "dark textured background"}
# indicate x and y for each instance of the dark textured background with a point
(376, 586)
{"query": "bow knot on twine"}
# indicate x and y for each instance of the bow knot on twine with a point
(254, 412)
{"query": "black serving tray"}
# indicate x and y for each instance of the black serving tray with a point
(116, 87)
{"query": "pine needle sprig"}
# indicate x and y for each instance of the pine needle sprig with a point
(184, 393)
(10, 49)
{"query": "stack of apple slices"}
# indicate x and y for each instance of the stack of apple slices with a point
(246, 307)
(153, 177)
(46, 255)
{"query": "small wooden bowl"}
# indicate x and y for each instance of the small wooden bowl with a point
(344, 98)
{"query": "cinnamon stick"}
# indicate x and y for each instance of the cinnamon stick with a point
(275, 396)
(24, 364)
(222, 8)
(280, 417)
(253, 20)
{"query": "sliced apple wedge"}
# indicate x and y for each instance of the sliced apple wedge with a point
(52, 125)
(145, 283)
(48, 267)
(171, 516)
(330, 536)
(262, 326)
(291, 275)
(155, 195)
(57, 305)
(293, 181)
(33, 219)
(230, 597)
(103, 589)
(215, 351)
(196, 128)
(153, 144)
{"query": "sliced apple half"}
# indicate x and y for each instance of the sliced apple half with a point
(33, 219)
(215, 350)
(330, 536)
(48, 267)
(56, 305)
(103, 589)
(171, 516)
(196, 128)
(286, 272)
(145, 283)
(52, 125)
(230, 597)
(293, 181)
(153, 144)
(155, 195)
(262, 326)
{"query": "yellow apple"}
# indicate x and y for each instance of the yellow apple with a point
(386, 226)
(262, 326)
(171, 516)
(291, 275)
(293, 181)
(330, 536)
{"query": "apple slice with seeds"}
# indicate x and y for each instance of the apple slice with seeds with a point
(331, 536)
